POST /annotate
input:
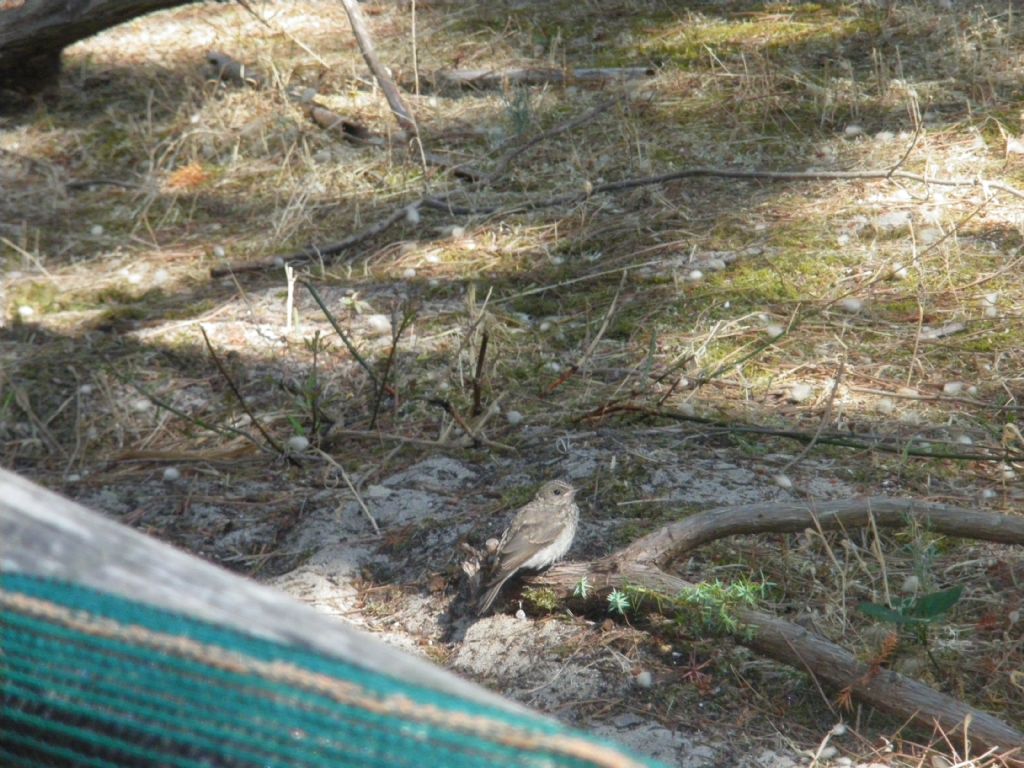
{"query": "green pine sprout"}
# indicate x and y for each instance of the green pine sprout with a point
(582, 588)
(618, 602)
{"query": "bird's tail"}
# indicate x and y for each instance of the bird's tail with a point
(489, 595)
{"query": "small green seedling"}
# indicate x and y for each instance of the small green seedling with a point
(618, 602)
(582, 589)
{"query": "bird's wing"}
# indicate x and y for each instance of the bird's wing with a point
(524, 541)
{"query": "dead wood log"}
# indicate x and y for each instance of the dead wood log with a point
(643, 564)
(33, 34)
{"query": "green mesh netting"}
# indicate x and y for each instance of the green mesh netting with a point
(89, 679)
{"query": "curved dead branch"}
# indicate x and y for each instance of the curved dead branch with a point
(674, 540)
(643, 562)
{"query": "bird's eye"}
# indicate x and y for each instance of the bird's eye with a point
(558, 491)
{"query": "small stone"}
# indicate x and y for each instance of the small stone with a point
(798, 393)
(643, 679)
(172, 475)
(715, 265)
(219, 252)
(853, 130)
(886, 406)
(783, 482)
(990, 302)
(899, 272)
(839, 729)
(851, 305)
(298, 443)
(774, 331)
(74, 477)
(409, 273)
(912, 418)
(910, 585)
(695, 276)
(412, 214)
(545, 326)
(554, 367)
(952, 388)
(25, 311)
(378, 323)
(514, 417)
(141, 405)
(85, 389)
(96, 230)
(892, 223)
(964, 440)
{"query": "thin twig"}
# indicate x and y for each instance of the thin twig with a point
(160, 403)
(245, 406)
(382, 387)
(825, 417)
(478, 377)
(473, 433)
(320, 252)
(359, 499)
(501, 166)
(589, 351)
(446, 205)
(842, 439)
(375, 435)
(362, 33)
(456, 416)
(623, 185)
(915, 114)
(344, 338)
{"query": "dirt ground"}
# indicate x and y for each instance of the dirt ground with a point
(669, 347)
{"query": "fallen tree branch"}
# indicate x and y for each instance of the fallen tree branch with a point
(642, 562)
(401, 112)
(318, 252)
(727, 173)
(445, 203)
(496, 78)
(831, 437)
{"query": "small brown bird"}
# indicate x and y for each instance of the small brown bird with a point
(539, 535)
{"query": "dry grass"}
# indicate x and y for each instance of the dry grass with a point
(744, 301)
